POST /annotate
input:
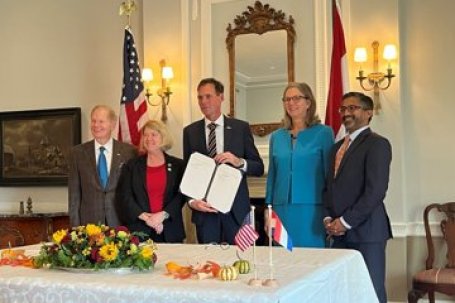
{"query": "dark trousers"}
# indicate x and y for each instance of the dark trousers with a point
(374, 255)
(216, 228)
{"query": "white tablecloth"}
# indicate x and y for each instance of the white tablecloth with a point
(304, 275)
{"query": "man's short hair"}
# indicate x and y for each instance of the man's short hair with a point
(111, 112)
(219, 87)
(365, 101)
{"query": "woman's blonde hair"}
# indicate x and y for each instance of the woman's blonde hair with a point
(311, 117)
(161, 129)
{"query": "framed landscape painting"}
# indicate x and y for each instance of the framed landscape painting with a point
(35, 146)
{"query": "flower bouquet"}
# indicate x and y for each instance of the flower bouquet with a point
(95, 247)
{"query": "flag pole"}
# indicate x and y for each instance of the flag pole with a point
(271, 281)
(269, 214)
(254, 244)
(255, 281)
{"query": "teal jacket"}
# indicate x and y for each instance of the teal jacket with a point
(297, 175)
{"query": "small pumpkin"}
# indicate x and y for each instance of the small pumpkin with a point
(228, 273)
(243, 266)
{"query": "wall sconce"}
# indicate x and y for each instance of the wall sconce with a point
(376, 78)
(164, 92)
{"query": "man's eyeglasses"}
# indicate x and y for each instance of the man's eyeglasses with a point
(350, 108)
(294, 98)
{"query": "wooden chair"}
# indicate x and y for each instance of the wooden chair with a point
(433, 279)
(10, 237)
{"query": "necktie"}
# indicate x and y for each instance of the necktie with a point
(340, 153)
(211, 146)
(102, 167)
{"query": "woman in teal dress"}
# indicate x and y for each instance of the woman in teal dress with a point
(298, 163)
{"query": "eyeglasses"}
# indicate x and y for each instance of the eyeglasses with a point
(294, 98)
(350, 108)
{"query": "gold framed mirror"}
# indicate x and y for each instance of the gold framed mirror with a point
(261, 55)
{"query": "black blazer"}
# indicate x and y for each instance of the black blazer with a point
(357, 192)
(133, 198)
(237, 140)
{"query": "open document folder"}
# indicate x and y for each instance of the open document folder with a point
(215, 183)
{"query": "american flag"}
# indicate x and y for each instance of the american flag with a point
(133, 105)
(247, 235)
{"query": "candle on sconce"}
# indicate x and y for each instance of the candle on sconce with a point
(360, 56)
(390, 53)
(167, 74)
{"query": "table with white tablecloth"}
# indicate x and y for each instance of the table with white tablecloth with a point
(303, 275)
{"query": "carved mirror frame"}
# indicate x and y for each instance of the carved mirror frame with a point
(258, 20)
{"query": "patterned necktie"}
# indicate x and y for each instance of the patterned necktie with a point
(102, 167)
(211, 146)
(340, 153)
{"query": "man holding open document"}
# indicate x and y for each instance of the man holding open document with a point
(228, 141)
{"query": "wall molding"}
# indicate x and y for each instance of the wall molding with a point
(322, 43)
(414, 229)
(186, 59)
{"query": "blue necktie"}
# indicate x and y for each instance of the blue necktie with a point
(102, 167)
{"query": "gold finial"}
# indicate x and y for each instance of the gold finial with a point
(127, 8)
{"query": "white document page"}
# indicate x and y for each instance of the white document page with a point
(197, 176)
(224, 187)
(203, 179)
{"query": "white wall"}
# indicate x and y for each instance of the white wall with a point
(378, 20)
(162, 40)
(427, 102)
(59, 54)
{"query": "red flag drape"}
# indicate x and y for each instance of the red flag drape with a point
(338, 74)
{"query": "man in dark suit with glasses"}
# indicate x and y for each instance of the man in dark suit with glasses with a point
(355, 214)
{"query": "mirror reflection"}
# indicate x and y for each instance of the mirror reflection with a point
(261, 63)
(260, 76)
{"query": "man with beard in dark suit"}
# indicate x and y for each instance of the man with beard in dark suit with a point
(91, 195)
(356, 186)
(232, 143)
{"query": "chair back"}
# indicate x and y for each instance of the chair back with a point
(448, 232)
(10, 237)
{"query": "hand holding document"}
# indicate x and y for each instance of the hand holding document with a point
(215, 183)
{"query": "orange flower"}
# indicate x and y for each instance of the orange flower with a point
(93, 230)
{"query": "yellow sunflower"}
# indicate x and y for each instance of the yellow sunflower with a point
(59, 235)
(109, 252)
